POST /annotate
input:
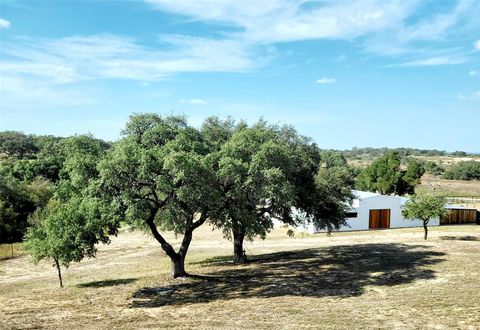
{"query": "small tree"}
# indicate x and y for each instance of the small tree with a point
(65, 232)
(74, 220)
(424, 207)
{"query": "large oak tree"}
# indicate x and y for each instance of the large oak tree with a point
(159, 177)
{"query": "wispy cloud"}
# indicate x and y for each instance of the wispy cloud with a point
(433, 61)
(325, 80)
(472, 73)
(475, 96)
(386, 28)
(194, 101)
(107, 56)
(4, 24)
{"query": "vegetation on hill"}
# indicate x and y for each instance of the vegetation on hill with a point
(402, 152)
(31, 168)
(467, 170)
(385, 176)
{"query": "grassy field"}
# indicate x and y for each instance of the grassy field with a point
(450, 188)
(379, 279)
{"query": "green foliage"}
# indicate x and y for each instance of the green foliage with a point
(402, 152)
(75, 219)
(467, 170)
(17, 144)
(67, 231)
(433, 168)
(15, 206)
(160, 166)
(333, 194)
(269, 172)
(19, 199)
(385, 176)
(424, 207)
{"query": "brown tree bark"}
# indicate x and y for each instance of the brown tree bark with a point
(177, 259)
(239, 256)
(425, 229)
(57, 264)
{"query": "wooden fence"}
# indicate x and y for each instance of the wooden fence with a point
(459, 216)
(8, 251)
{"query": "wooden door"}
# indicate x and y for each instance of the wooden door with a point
(379, 219)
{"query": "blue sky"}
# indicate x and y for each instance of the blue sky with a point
(346, 73)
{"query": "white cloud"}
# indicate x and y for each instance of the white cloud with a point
(4, 24)
(477, 44)
(475, 96)
(386, 27)
(194, 101)
(282, 20)
(325, 80)
(433, 61)
(78, 58)
(473, 73)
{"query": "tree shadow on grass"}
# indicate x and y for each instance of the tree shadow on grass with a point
(341, 271)
(460, 238)
(105, 283)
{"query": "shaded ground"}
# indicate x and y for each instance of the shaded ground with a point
(341, 271)
(360, 280)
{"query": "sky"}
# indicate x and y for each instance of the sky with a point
(345, 73)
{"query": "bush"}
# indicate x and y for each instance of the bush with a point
(468, 170)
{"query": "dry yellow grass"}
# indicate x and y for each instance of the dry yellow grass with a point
(359, 280)
(450, 188)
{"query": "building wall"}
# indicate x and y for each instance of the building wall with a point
(361, 222)
(394, 203)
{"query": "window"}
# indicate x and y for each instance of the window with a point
(351, 214)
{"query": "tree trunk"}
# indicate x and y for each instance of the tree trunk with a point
(239, 256)
(177, 259)
(178, 266)
(426, 230)
(59, 272)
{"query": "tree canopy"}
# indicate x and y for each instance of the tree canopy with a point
(74, 220)
(424, 207)
(467, 170)
(159, 177)
(385, 175)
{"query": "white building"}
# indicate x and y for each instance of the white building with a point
(374, 211)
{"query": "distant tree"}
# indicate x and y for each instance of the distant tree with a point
(159, 177)
(467, 170)
(459, 153)
(433, 168)
(17, 144)
(382, 176)
(411, 177)
(16, 205)
(424, 207)
(385, 176)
